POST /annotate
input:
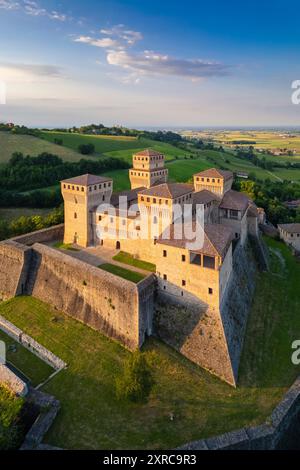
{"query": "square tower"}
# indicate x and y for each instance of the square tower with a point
(216, 181)
(82, 195)
(148, 169)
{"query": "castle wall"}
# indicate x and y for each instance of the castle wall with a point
(45, 235)
(14, 262)
(105, 302)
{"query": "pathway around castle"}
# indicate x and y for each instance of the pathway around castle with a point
(96, 256)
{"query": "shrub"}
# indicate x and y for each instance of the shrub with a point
(86, 149)
(136, 381)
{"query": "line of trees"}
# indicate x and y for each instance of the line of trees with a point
(25, 173)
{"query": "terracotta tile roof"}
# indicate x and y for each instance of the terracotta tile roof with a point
(168, 190)
(131, 195)
(148, 153)
(217, 239)
(290, 228)
(87, 180)
(204, 196)
(234, 200)
(214, 173)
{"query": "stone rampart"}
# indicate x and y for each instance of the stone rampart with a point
(45, 235)
(14, 262)
(118, 308)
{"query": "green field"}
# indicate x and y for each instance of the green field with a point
(118, 147)
(30, 145)
(91, 416)
(132, 276)
(33, 368)
(127, 258)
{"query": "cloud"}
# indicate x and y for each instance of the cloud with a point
(32, 8)
(9, 5)
(128, 36)
(151, 64)
(19, 72)
(106, 43)
(118, 40)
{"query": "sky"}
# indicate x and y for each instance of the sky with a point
(149, 63)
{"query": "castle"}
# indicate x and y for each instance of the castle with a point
(197, 299)
(199, 275)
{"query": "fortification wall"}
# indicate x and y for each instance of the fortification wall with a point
(101, 300)
(14, 262)
(237, 301)
(212, 337)
(45, 235)
(12, 381)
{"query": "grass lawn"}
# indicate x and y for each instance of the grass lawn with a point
(64, 246)
(30, 145)
(10, 409)
(29, 364)
(127, 258)
(92, 417)
(122, 272)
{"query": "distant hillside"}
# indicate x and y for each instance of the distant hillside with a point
(29, 145)
(115, 146)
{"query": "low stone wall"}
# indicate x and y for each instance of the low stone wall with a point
(12, 381)
(42, 236)
(14, 262)
(49, 407)
(116, 307)
(275, 433)
(29, 343)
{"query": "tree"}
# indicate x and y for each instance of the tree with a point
(136, 382)
(86, 149)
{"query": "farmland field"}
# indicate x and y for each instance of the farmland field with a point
(114, 146)
(30, 145)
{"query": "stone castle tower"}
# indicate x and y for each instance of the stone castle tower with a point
(216, 181)
(82, 195)
(148, 169)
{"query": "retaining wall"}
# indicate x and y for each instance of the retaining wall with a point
(29, 343)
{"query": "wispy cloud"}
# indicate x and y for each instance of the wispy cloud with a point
(22, 72)
(32, 8)
(150, 63)
(118, 42)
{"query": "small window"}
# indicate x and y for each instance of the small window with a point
(75, 215)
(100, 218)
(142, 198)
(210, 291)
(182, 258)
(183, 282)
(165, 277)
(165, 253)
(148, 199)
(82, 189)
(154, 200)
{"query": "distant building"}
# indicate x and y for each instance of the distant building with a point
(292, 204)
(290, 234)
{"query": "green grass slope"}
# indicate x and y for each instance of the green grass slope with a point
(30, 145)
